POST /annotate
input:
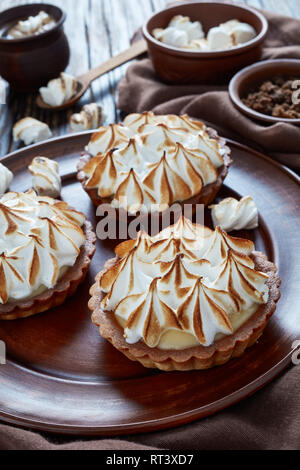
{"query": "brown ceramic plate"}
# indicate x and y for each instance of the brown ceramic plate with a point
(250, 78)
(61, 376)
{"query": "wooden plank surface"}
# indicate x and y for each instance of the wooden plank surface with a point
(97, 30)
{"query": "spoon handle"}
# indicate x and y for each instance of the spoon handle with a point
(137, 49)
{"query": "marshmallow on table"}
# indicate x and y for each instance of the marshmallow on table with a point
(46, 180)
(6, 177)
(30, 130)
(89, 118)
(231, 214)
(240, 32)
(229, 25)
(59, 90)
(172, 37)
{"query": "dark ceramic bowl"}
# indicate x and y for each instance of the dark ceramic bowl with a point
(31, 62)
(252, 77)
(175, 65)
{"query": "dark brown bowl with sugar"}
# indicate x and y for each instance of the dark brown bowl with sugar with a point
(179, 66)
(274, 84)
(30, 62)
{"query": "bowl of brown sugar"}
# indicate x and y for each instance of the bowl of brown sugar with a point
(269, 91)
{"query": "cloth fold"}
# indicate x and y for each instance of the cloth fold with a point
(141, 90)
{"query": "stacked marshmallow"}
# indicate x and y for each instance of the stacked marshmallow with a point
(39, 239)
(183, 33)
(231, 214)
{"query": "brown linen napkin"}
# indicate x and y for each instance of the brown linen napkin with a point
(141, 90)
(268, 420)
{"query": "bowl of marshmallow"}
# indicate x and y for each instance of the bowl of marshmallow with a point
(196, 42)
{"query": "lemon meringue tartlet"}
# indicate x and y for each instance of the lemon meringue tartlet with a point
(150, 162)
(188, 298)
(45, 252)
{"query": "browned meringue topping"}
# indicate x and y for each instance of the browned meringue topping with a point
(151, 161)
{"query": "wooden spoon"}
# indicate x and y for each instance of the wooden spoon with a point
(84, 81)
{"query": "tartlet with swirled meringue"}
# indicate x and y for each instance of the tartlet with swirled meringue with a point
(149, 162)
(187, 298)
(46, 248)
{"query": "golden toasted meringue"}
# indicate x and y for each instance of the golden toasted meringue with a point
(90, 117)
(231, 214)
(59, 90)
(46, 179)
(151, 162)
(186, 286)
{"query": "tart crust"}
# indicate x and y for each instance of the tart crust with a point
(199, 357)
(206, 196)
(66, 286)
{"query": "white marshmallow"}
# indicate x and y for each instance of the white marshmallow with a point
(157, 33)
(231, 214)
(90, 117)
(193, 29)
(59, 90)
(229, 25)
(32, 25)
(219, 39)
(182, 32)
(30, 130)
(174, 37)
(46, 180)
(199, 44)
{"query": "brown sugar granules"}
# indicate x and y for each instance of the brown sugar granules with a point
(274, 98)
